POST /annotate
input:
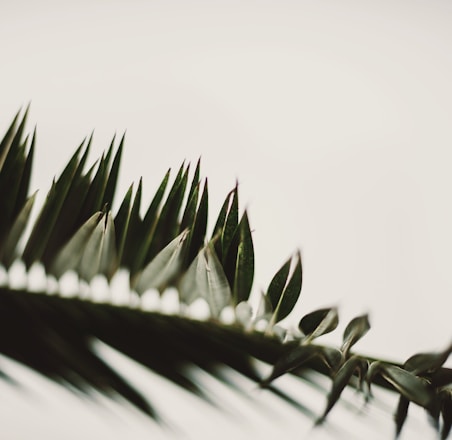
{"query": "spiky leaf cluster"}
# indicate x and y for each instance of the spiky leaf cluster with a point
(166, 245)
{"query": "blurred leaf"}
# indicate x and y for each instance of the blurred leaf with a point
(408, 385)
(401, 414)
(319, 322)
(332, 357)
(205, 278)
(340, 381)
(427, 362)
(354, 331)
(8, 248)
(441, 377)
(165, 266)
(372, 372)
(446, 412)
(293, 358)
(284, 294)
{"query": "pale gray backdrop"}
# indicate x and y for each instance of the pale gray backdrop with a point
(334, 117)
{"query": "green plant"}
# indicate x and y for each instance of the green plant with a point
(77, 231)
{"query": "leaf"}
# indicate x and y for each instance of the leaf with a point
(401, 414)
(12, 164)
(199, 227)
(14, 179)
(148, 226)
(219, 225)
(230, 225)
(6, 142)
(284, 294)
(109, 257)
(167, 227)
(70, 218)
(121, 222)
(277, 284)
(93, 199)
(110, 187)
(340, 381)
(165, 266)
(290, 360)
(195, 180)
(190, 210)
(205, 278)
(49, 214)
(192, 201)
(446, 412)
(332, 357)
(151, 214)
(406, 383)
(8, 248)
(26, 176)
(68, 258)
(373, 370)
(133, 231)
(99, 254)
(427, 362)
(244, 267)
(319, 322)
(354, 331)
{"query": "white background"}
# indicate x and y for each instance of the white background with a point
(334, 117)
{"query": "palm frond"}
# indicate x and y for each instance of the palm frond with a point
(168, 247)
